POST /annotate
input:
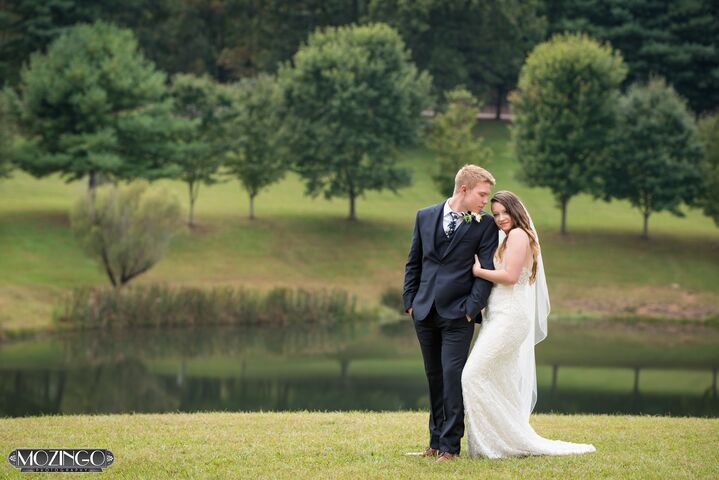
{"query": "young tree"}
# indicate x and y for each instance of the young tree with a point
(352, 96)
(256, 157)
(92, 105)
(564, 113)
(200, 152)
(658, 154)
(127, 229)
(454, 140)
(709, 134)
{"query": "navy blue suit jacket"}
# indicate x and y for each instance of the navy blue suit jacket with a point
(446, 280)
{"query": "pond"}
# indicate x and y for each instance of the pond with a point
(589, 367)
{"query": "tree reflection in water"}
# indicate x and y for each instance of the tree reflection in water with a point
(352, 367)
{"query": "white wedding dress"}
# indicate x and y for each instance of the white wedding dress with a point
(499, 378)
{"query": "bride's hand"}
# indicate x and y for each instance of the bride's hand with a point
(477, 267)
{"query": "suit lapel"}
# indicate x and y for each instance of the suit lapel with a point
(436, 216)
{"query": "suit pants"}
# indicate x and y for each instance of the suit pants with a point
(445, 346)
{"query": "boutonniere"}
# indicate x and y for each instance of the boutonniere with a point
(469, 216)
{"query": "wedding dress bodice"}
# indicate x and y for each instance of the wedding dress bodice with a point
(510, 297)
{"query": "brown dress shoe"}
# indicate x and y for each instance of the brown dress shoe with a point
(428, 452)
(447, 457)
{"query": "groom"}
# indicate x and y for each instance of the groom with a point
(444, 299)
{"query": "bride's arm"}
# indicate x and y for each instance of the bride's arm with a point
(514, 255)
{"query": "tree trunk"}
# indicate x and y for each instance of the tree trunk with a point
(563, 202)
(108, 267)
(252, 206)
(353, 213)
(645, 232)
(193, 197)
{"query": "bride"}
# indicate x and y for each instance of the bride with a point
(499, 383)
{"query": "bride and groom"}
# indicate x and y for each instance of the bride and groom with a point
(462, 260)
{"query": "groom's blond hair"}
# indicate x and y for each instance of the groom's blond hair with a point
(470, 176)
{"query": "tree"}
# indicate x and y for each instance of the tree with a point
(256, 157)
(478, 44)
(93, 105)
(201, 151)
(271, 31)
(658, 154)
(675, 40)
(127, 229)
(564, 114)
(29, 26)
(352, 96)
(709, 134)
(454, 140)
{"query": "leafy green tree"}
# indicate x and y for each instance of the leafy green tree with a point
(675, 40)
(127, 228)
(478, 44)
(201, 151)
(256, 156)
(453, 139)
(352, 96)
(709, 134)
(94, 105)
(564, 114)
(658, 153)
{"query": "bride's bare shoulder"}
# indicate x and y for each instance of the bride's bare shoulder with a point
(518, 235)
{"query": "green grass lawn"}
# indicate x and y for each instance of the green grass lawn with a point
(601, 269)
(360, 445)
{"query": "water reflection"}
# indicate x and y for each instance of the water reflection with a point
(583, 369)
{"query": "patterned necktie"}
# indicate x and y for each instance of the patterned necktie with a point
(452, 224)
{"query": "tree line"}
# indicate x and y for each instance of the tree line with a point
(575, 132)
(92, 105)
(480, 45)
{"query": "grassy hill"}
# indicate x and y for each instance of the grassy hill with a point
(602, 268)
(303, 445)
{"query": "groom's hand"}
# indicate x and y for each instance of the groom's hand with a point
(409, 311)
(469, 319)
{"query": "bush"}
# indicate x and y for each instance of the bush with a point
(126, 229)
(163, 306)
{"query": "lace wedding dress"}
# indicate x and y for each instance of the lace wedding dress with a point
(499, 380)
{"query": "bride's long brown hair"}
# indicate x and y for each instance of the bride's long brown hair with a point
(520, 219)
